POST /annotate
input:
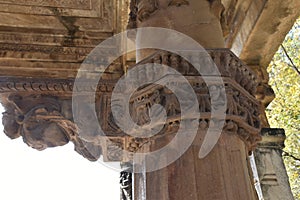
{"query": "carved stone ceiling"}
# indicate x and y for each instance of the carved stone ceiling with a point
(51, 38)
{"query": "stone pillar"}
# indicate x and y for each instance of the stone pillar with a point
(225, 173)
(271, 170)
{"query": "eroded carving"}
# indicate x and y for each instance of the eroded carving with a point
(145, 8)
(35, 123)
(142, 9)
(41, 123)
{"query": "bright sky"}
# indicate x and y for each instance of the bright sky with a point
(53, 174)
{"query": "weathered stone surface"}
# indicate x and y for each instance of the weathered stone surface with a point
(81, 24)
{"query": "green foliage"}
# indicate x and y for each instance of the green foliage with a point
(284, 111)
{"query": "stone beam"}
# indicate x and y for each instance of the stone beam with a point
(263, 29)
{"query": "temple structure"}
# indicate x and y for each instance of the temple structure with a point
(44, 43)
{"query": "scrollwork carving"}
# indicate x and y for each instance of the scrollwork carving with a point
(34, 121)
(216, 7)
(40, 122)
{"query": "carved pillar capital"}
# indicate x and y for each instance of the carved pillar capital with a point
(242, 112)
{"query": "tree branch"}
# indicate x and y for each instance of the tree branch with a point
(287, 55)
(276, 86)
(290, 155)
